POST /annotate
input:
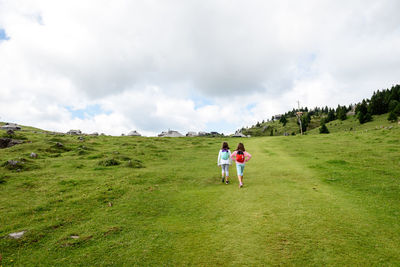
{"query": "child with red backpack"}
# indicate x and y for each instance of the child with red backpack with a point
(224, 160)
(240, 156)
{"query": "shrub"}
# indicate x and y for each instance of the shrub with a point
(109, 162)
(137, 164)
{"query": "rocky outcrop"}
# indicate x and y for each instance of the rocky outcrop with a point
(8, 142)
(14, 164)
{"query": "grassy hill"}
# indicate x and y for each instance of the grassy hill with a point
(351, 124)
(328, 200)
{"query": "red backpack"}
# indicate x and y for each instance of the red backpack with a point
(240, 156)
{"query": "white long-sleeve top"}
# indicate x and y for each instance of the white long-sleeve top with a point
(224, 161)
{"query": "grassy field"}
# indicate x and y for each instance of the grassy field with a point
(323, 200)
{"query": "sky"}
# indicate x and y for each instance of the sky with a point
(152, 65)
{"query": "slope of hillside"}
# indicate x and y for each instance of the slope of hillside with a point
(28, 128)
(308, 200)
(350, 124)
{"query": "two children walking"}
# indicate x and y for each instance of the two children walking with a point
(225, 158)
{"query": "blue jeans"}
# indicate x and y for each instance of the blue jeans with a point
(240, 168)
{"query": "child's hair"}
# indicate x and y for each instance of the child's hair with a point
(225, 145)
(240, 147)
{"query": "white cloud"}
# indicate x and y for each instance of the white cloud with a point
(146, 62)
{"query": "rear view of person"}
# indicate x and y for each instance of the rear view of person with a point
(240, 156)
(224, 160)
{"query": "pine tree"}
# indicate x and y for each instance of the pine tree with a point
(363, 114)
(283, 120)
(323, 129)
(396, 110)
(392, 117)
(392, 104)
(331, 115)
(341, 113)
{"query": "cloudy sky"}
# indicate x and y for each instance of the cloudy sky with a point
(122, 65)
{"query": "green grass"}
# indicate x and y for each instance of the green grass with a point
(324, 200)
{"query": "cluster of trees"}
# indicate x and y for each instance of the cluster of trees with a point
(339, 112)
(387, 100)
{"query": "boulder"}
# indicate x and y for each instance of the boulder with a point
(81, 138)
(59, 145)
(17, 235)
(33, 155)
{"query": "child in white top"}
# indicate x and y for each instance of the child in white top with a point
(224, 160)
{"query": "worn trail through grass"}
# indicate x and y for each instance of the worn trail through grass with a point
(286, 213)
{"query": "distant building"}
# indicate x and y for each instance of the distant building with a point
(239, 134)
(203, 133)
(74, 132)
(192, 134)
(11, 126)
(170, 133)
(134, 133)
(352, 111)
(278, 117)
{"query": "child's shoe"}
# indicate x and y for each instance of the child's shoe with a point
(240, 185)
(227, 182)
(223, 180)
